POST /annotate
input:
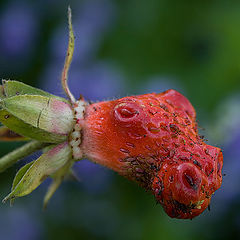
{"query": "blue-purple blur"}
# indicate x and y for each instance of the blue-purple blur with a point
(123, 48)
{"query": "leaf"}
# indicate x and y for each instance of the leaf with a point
(27, 130)
(43, 167)
(8, 135)
(19, 176)
(14, 88)
(57, 180)
(41, 112)
(2, 94)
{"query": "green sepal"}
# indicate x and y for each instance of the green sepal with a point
(19, 176)
(2, 95)
(48, 114)
(72, 176)
(14, 88)
(58, 177)
(46, 165)
(8, 135)
(27, 130)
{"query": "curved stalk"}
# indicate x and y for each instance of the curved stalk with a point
(20, 153)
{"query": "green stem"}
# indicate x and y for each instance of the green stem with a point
(68, 58)
(20, 153)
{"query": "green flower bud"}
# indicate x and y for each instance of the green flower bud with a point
(31, 115)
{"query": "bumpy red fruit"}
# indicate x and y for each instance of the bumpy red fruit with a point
(153, 140)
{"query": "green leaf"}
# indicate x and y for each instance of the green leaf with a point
(41, 112)
(57, 180)
(43, 167)
(8, 135)
(19, 176)
(27, 130)
(2, 94)
(15, 88)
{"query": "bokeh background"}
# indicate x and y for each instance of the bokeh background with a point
(126, 47)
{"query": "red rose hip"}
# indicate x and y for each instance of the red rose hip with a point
(152, 139)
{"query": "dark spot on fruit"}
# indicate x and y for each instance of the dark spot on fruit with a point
(171, 178)
(129, 159)
(130, 144)
(166, 115)
(180, 207)
(197, 163)
(188, 122)
(148, 147)
(174, 135)
(153, 112)
(160, 188)
(209, 169)
(191, 181)
(6, 116)
(164, 107)
(183, 158)
(163, 127)
(209, 208)
(206, 151)
(139, 170)
(124, 150)
(218, 167)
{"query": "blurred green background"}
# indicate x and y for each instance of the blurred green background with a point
(126, 47)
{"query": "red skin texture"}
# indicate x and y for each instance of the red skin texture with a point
(152, 139)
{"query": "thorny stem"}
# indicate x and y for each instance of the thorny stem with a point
(20, 153)
(68, 58)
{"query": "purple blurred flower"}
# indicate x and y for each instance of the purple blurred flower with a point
(226, 131)
(96, 82)
(94, 178)
(17, 30)
(231, 182)
(17, 223)
(90, 22)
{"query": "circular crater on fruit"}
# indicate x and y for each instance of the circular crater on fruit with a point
(126, 112)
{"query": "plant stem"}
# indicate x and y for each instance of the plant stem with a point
(68, 59)
(20, 153)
